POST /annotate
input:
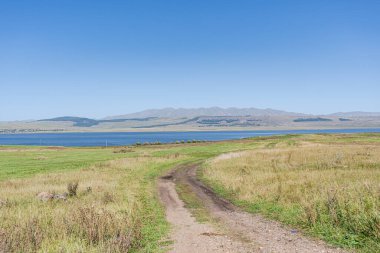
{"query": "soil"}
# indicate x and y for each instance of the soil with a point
(237, 231)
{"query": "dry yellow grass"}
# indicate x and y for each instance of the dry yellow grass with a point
(121, 212)
(105, 216)
(323, 187)
(332, 184)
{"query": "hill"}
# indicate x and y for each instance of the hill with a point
(355, 114)
(204, 119)
(210, 111)
(77, 121)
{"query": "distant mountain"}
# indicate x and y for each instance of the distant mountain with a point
(77, 121)
(311, 119)
(355, 114)
(212, 118)
(211, 111)
(86, 122)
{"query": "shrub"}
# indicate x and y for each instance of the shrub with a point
(107, 198)
(72, 189)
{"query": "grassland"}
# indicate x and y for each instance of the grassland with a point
(327, 185)
(116, 207)
(24, 161)
(114, 210)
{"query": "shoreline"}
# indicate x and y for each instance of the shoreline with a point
(195, 130)
(119, 139)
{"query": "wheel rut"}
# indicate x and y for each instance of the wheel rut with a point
(238, 231)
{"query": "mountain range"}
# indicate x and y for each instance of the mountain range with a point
(189, 119)
(209, 111)
(356, 114)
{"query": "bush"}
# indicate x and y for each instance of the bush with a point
(72, 189)
(107, 198)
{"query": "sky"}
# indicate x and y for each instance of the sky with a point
(99, 58)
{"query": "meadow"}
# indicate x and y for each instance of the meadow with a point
(114, 208)
(326, 185)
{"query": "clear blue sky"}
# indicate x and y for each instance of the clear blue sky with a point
(98, 58)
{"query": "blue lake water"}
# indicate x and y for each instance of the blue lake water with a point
(125, 138)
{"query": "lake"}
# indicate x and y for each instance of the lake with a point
(128, 138)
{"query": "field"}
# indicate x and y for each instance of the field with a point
(115, 208)
(112, 210)
(326, 185)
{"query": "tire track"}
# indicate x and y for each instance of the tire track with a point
(245, 232)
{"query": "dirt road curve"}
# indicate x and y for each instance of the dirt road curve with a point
(241, 232)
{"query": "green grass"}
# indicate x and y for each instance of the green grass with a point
(20, 162)
(24, 161)
(326, 185)
(131, 178)
(193, 203)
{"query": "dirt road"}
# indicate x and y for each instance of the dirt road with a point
(238, 231)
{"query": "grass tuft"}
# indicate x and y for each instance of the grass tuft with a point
(72, 189)
(330, 189)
